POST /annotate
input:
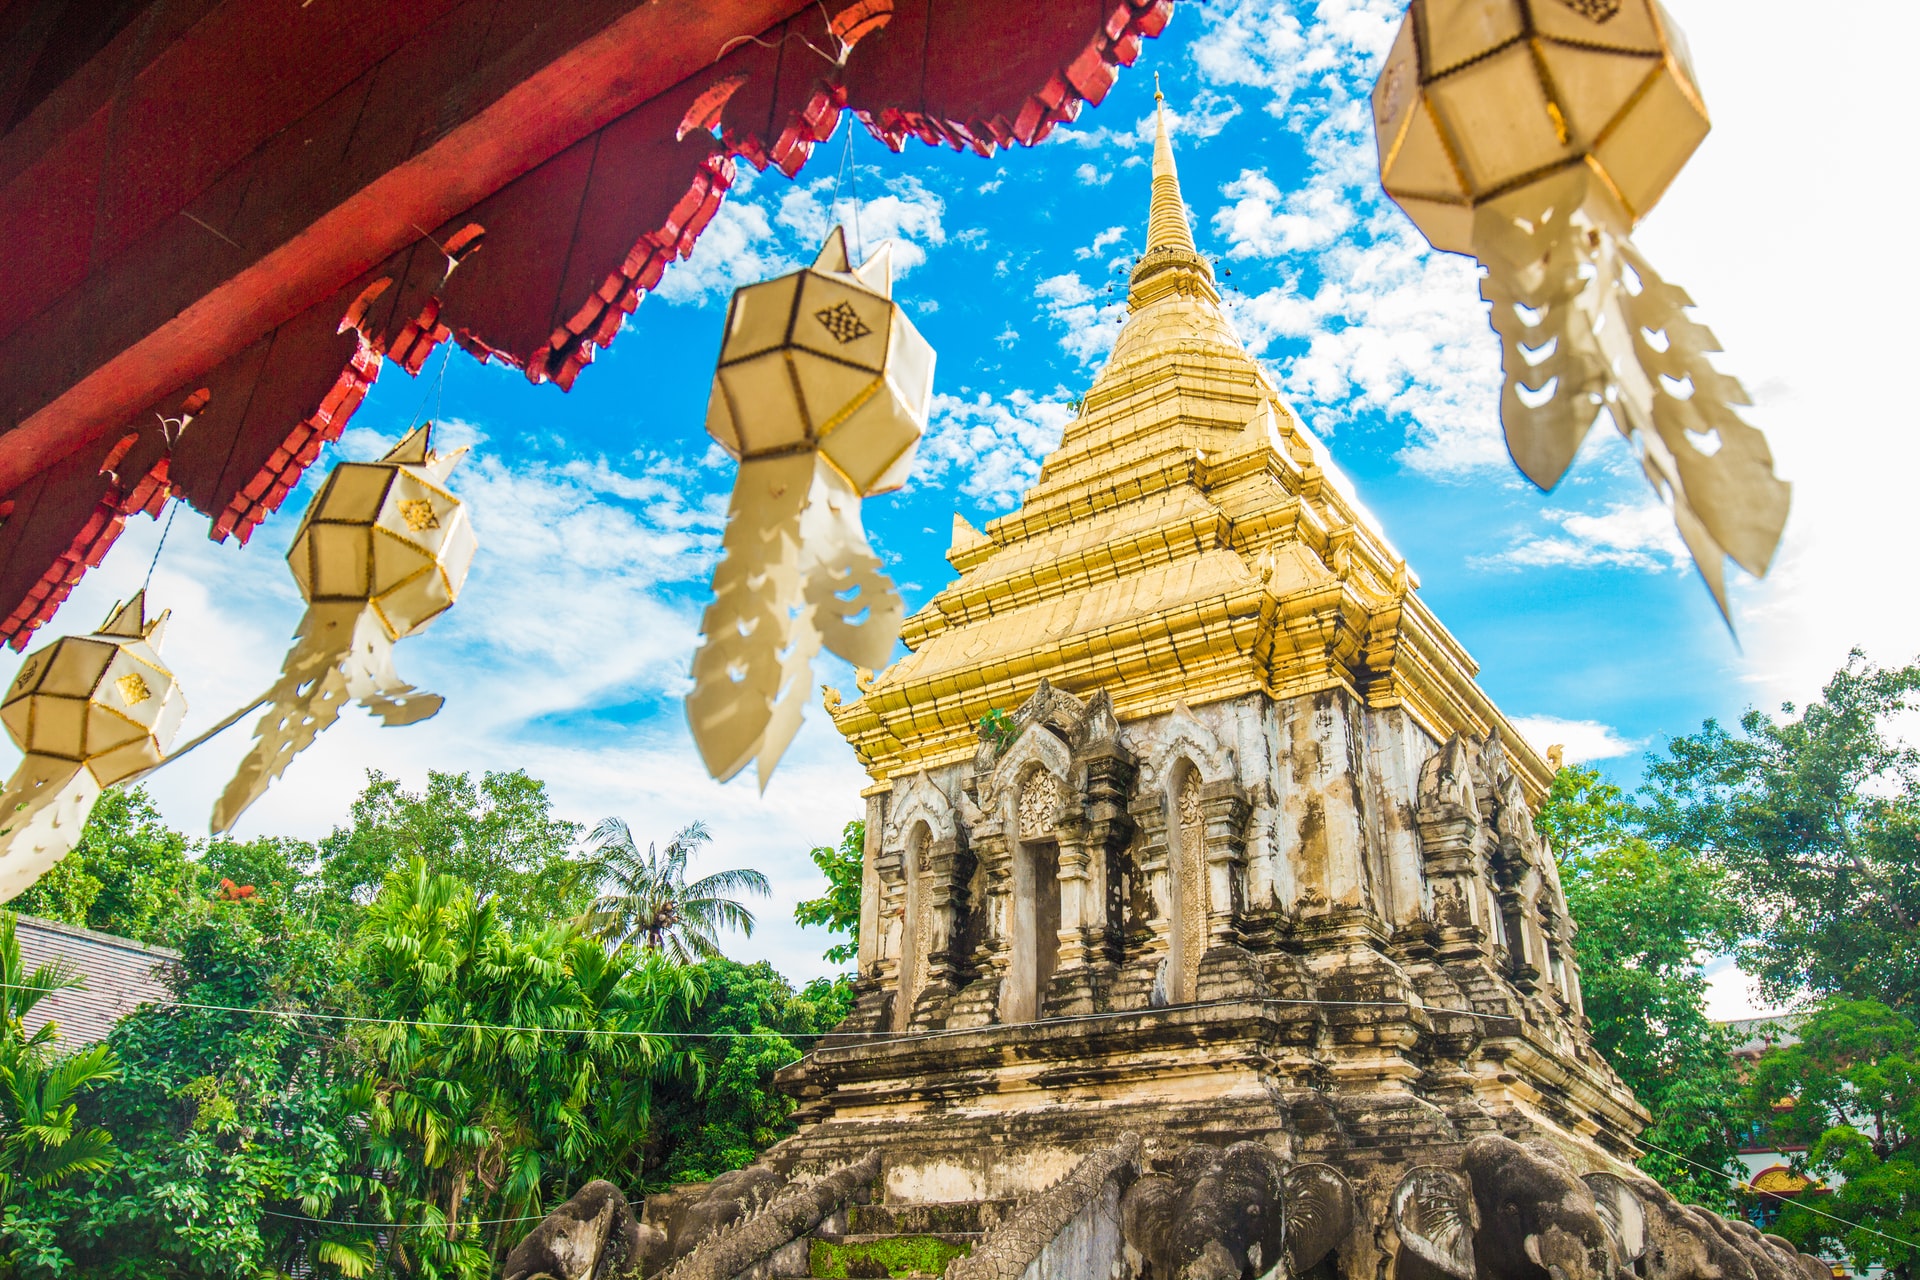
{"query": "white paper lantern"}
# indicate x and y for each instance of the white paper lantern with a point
(88, 711)
(1533, 135)
(822, 391)
(382, 551)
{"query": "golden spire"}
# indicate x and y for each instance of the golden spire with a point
(1169, 235)
(1167, 213)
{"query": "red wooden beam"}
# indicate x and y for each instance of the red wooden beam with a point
(186, 214)
(509, 174)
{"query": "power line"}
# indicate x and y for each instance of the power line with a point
(1854, 1226)
(885, 1037)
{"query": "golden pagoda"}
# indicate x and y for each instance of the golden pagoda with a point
(1205, 933)
(1188, 816)
(1187, 542)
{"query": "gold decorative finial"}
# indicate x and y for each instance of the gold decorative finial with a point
(1167, 212)
(1157, 95)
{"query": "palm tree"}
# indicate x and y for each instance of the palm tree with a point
(41, 1142)
(645, 898)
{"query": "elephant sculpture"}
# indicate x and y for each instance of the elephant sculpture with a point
(1233, 1214)
(1513, 1212)
(1509, 1213)
(593, 1236)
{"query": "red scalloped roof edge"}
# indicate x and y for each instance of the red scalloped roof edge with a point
(598, 320)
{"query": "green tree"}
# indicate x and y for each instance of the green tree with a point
(43, 1143)
(232, 1128)
(512, 1065)
(838, 909)
(723, 1114)
(1644, 913)
(645, 899)
(1816, 818)
(129, 874)
(273, 866)
(1851, 1090)
(497, 835)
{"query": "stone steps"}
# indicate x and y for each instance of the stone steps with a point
(878, 1241)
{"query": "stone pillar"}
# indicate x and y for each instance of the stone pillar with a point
(945, 904)
(872, 1002)
(1226, 811)
(978, 1004)
(1109, 773)
(1149, 914)
(1072, 984)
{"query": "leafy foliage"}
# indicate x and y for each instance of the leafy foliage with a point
(42, 1143)
(1644, 912)
(127, 876)
(451, 1059)
(999, 728)
(1816, 819)
(644, 898)
(498, 836)
(838, 909)
(723, 1111)
(1851, 1089)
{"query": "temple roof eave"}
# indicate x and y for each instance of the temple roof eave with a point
(1387, 653)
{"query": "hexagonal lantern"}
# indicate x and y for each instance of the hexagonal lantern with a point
(822, 392)
(1533, 135)
(104, 701)
(825, 359)
(1480, 98)
(382, 550)
(389, 533)
(88, 711)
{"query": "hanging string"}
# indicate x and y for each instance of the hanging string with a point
(1738, 1184)
(173, 510)
(848, 172)
(434, 389)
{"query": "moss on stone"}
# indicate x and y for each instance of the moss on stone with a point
(872, 1259)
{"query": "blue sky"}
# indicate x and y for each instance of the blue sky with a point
(599, 511)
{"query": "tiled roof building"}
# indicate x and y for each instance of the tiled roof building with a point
(121, 975)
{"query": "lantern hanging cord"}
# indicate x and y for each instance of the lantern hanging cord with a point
(1854, 1226)
(214, 732)
(435, 391)
(847, 171)
(172, 511)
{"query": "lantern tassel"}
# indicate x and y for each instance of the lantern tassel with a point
(1585, 323)
(44, 809)
(797, 574)
(342, 653)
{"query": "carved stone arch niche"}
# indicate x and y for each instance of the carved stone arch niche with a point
(1187, 770)
(921, 828)
(1035, 802)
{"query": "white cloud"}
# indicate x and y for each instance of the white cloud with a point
(1369, 318)
(738, 247)
(1263, 223)
(908, 214)
(1625, 535)
(1203, 118)
(1584, 740)
(1089, 176)
(1091, 324)
(1265, 44)
(1105, 240)
(1732, 994)
(996, 445)
(745, 243)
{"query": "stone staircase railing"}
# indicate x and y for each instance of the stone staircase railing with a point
(1011, 1248)
(793, 1211)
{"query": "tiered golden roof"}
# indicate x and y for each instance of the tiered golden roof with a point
(1183, 544)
